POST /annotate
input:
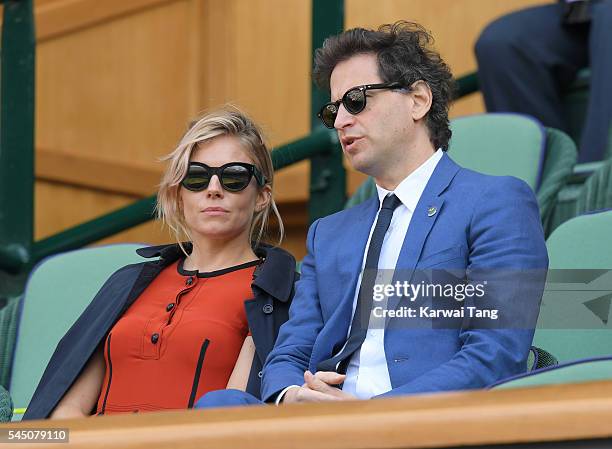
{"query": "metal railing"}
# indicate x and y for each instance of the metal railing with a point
(17, 57)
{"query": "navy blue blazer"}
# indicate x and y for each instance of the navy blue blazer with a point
(266, 312)
(464, 221)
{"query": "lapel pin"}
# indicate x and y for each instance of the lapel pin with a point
(431, 211)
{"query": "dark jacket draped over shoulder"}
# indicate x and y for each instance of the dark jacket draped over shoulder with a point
(266, 311)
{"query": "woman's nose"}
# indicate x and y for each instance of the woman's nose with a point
(214, 187)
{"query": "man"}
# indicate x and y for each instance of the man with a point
(390, 96)
(529, 58)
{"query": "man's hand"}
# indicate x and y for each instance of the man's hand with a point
(305, 394)
(324, 381)
(318, 387)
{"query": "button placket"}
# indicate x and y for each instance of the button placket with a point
(175, 307)
(172, 307)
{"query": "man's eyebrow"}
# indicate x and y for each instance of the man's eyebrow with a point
(339, 99)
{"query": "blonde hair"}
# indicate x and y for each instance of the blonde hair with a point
(227, 121)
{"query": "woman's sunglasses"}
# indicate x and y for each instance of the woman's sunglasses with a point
(354, 100)
(233, 176)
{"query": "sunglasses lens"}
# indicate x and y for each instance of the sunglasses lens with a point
(328, 115)
(235, 178)
(197, 178)
(354, 101)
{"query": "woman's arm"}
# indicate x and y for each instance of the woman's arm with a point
(240, 376)
(81, 398)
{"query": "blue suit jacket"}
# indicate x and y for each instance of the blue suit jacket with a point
(481, 222)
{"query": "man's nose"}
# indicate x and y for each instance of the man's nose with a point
(343, 118)
(214, 187)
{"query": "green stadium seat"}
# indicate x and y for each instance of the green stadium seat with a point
(508, 144)
(57, 292)
(575, 324)
(597, 191)
(571, 372)
(500, 144)
(561, 156)
(584, 196)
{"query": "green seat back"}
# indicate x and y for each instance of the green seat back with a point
(500, 144)
(596, 194)
(577, 198)
(560, 160)
(576, 319)
(57, 292)
(587, 371)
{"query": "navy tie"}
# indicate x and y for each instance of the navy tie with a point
(359, 325)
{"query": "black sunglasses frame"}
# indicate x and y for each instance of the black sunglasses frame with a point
(362, 89)
(252, 170)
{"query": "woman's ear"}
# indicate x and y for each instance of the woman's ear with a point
(264, 197)
(422, 97)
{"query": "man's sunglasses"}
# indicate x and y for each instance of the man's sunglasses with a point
(233, 176)
(354, 100)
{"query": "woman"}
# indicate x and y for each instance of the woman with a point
(202, 317)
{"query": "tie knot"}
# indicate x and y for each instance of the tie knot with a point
(391, 202)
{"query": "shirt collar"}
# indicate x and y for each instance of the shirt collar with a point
(409, 191)
(275, 275)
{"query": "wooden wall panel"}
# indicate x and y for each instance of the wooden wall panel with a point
(118, 90)
(56, 17)
(454, 24)
(118, 81)
(121, 90)
(257, 56)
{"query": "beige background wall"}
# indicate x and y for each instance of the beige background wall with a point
(118, 80)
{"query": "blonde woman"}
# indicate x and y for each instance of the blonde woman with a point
(206, 313)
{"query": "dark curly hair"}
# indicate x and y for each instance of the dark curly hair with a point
(404, 55)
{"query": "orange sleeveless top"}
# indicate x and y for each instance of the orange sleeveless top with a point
(179, 340)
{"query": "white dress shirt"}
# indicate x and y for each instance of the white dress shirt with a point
(367, 374)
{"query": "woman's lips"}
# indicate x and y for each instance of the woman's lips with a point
(215, 211)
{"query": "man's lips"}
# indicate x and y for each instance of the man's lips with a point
(348, 142)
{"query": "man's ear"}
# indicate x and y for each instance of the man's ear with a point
(422, 97)
(264, 197)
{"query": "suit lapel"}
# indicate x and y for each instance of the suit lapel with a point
(348, 259)
(352, 242)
